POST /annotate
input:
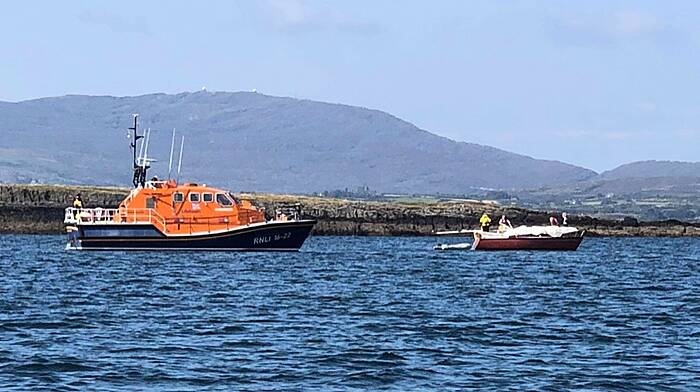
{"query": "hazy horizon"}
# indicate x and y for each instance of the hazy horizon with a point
(596, 85)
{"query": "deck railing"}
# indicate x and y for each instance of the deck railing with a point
(102, 216)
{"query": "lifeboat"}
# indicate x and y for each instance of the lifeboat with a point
(165, 215)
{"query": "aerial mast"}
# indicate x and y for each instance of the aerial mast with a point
(179, 163)
(170, 163)
(139, 170)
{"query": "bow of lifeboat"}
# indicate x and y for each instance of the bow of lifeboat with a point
(165, 215)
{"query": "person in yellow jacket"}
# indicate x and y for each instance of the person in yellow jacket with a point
(77, 203)
(485, 222)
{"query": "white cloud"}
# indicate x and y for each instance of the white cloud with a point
(608, 28)
(303, 16)
(648, 107)
(289, 13)
(635, 23)
(116, 22)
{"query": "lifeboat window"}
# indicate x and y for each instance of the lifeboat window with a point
(223, 200)
(178, 197)
(151, 202)
(194, 197)
(207, 197)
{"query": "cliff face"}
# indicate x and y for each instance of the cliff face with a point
(59, 196)
(343, 217)
(40, 209)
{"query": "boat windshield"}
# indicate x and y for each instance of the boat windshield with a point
(223, 200)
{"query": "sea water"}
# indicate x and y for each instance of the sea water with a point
(351, 314)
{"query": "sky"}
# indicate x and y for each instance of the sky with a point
(592, 83)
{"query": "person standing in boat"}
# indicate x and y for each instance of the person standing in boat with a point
(485, 222)
(77, 204)
(504, 224)
(564, 219)
(553, 221)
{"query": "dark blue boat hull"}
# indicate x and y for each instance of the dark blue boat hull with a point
(271, 236)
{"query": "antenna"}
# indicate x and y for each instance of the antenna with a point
(141, 161)
(144, 158)
(140, 157)
(179, 164)
(170, 163)
(139, 172)
(135, 136)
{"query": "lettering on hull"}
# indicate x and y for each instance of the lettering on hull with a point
(271, 238)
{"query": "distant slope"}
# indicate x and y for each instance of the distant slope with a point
(648, 191)
(638, 186)
(250, 141)
(647, 178)
(650, 169)
(651, 186)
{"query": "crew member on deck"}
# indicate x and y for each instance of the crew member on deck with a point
(154, 182)
(485, 222)
(78, 201)
(564, 219)
(77, 204)
(553, 221)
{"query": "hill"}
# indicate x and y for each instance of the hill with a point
(650, 190)
(653, 169)
(254, 142)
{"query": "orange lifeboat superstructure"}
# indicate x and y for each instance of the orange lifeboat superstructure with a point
(187, 209)
(166, 215)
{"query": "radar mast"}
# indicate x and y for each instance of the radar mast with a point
(141, 164)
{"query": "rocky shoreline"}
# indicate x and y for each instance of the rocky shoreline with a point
(39, 209)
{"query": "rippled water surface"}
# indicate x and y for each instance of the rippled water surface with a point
(351, 313)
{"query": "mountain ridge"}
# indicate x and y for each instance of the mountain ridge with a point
(54, 139)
